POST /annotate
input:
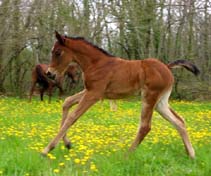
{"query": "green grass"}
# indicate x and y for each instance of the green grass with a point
(100, 140)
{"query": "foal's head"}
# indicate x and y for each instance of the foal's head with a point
(61, 57)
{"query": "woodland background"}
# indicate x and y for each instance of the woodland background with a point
(132, 29)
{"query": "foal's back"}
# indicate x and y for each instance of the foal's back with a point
(129, 77)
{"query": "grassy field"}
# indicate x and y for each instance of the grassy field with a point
(100, 141)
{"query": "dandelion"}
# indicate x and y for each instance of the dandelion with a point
(67, 159)
(66, 156)
(77, 161)
(93, 167)
(61, 164)
(62, 147)
(50, 156)
(56, 171)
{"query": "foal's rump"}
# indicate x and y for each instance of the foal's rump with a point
(157, 75)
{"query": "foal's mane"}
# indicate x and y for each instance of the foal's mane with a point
(91, 44)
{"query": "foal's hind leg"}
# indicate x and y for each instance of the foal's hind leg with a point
(68, 103)
(149, 101)
(164, 110)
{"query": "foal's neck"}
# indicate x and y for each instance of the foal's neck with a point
(86, 54)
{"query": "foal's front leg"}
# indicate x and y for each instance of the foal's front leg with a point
(86, 101)
(68, 103)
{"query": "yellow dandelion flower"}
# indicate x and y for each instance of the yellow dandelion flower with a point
(53, 157)
(83, 163)
(67, 159)
(77, 161)
(56, 171)
(61, 164)
(62, 147)
(50, 156)
(93, 167)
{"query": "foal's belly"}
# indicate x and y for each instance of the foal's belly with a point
(120, 96)
(124, 88)
(123, 93)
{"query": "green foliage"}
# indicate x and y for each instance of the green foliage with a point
(100, 141)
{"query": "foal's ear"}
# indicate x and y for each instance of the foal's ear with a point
(60, 39)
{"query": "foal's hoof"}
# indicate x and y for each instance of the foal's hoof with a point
(68, 146)
(43, 154)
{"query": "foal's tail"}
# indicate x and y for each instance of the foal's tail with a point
(186, 64)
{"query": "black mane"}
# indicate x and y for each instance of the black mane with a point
(91, 44)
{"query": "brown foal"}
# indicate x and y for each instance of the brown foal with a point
(109, 77)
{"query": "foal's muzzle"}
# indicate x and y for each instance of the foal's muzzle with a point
(50, 75)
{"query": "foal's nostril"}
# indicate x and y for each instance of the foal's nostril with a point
(50, 75)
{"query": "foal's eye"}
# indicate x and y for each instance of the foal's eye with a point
(58, 53)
